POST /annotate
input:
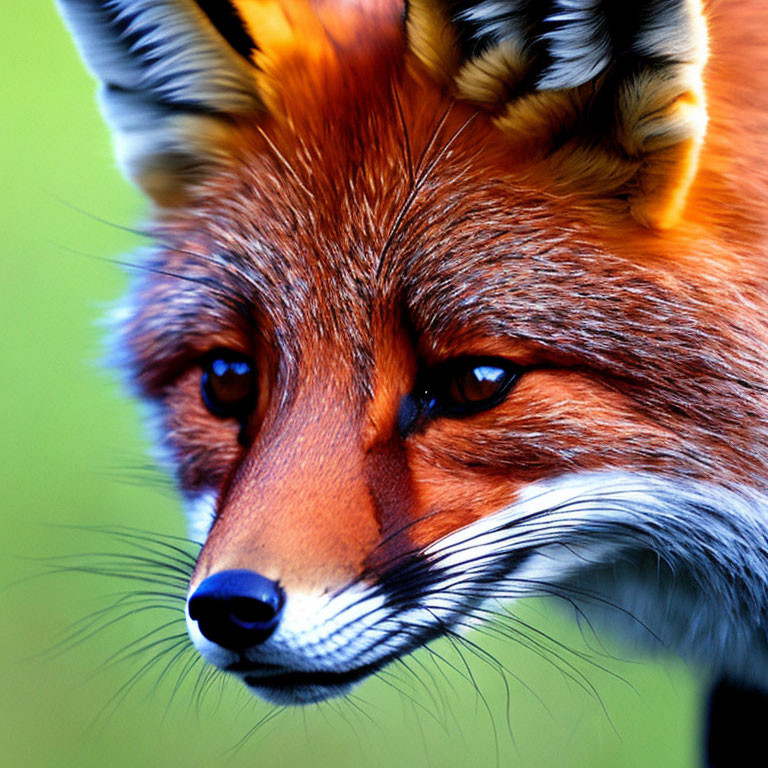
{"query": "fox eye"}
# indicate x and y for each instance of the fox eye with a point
(465, 386)
(476, 385)
(228, 384)
(470, 385)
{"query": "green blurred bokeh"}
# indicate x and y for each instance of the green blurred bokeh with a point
(72, 453)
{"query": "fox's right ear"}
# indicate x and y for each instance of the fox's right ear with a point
(174, 74)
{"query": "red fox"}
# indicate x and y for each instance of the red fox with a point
(452, 301)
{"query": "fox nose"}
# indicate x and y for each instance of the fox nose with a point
(237, 609)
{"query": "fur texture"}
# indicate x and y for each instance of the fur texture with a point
(382, 204)
(619, 88)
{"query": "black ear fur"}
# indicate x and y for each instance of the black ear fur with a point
(736, 718)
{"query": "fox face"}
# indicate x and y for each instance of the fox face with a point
(449, 303)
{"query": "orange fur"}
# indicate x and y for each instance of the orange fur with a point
(308, 503)
(362, 206)
(354, 200)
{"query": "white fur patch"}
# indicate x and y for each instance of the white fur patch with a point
(201, 512)
(573, 529)
(579, 44)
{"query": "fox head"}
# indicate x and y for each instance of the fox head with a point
(450, 302)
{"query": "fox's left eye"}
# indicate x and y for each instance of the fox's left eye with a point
(467, 385)
(228, 384)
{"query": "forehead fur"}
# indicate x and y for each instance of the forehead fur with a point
(377, 204)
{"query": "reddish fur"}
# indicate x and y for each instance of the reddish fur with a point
(646, 350)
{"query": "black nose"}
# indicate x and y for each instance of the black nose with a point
(237, 609)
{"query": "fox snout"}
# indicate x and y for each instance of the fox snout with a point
(296, 573)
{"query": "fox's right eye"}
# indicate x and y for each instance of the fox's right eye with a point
(228, 384)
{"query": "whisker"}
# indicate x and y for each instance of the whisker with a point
(137, 266)
(271, 715)
(135, 648)
(421, 177)
(94, 217)
(98, 622)
(386, 676)
(286, 164)
(439, 710)
(451, 637)
(406, 135)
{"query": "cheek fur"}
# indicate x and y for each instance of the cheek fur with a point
(553, 421)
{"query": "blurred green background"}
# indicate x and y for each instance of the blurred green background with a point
(73, 453)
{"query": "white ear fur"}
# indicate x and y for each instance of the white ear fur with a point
(612, 93)
(168, 79)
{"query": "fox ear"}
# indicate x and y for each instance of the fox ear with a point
(173, 74)
(610, 94)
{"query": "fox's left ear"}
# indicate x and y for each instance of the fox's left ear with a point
(174, 74)
(609, 93)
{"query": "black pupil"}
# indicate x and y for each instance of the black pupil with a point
(227, 385)
(230, 380)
